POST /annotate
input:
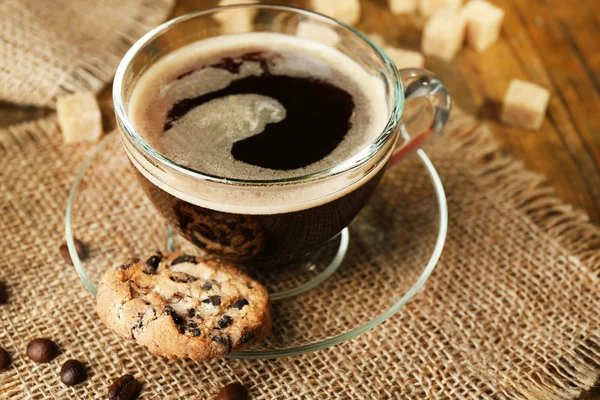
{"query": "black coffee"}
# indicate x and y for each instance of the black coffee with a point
(317, 114)
(259, 107)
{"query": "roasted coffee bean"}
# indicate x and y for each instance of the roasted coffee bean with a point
(42, 350)
(4, 359)
(225, 321)
(239, 304)
(184, 258)
(3, 294)
(214, 300)
(79, 248)
(72, 373)
(233, 391)
(124, 388)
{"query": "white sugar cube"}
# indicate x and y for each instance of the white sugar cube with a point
(236, 21)
(429, 7)
(347, 11)
(79, 117)
(444, 34)
(484, 21)
(403, 6)
(524, 105)
(405, 58)
(318, 33)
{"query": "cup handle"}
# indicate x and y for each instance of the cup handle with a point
(426, 110)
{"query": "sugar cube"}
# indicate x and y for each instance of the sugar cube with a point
(429, 7)
(347, 11)
(484, 21)
(405, 58)
(79, 117)
(236, 21)
(444, 34)
(403, 6)
(524, 104)
(318, 33)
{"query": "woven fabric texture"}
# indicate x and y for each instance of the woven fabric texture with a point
(509, 313)
(56, 47)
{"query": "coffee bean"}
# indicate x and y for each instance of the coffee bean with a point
(72, 373)
(3, 294)
(42, 350)
(233, 391)
(4, 359)
(124, 388)
(79, 247)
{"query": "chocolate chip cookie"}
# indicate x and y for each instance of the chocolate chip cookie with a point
(182, 306)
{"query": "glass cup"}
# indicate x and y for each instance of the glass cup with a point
(278, 221)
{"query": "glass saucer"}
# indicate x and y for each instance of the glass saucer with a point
(360, 279)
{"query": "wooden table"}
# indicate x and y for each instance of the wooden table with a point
(555, 43)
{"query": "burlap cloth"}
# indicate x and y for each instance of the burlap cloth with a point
(53, 47)
(511, 311)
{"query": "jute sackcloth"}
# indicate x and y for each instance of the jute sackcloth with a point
(53, 47)
(511, 311)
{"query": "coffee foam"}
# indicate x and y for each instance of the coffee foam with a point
(244, 115)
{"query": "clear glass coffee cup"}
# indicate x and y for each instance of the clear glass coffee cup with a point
(275, 222)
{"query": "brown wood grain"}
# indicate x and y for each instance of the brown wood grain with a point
(555, 43)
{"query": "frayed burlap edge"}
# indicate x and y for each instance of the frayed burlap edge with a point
(94, 77)
(507, 180)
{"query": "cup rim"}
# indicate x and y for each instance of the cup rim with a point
(363, 157)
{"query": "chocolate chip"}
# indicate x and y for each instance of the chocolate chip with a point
(72, 373)
(42, 350)
(182, 277)
(79, 248)
(3, 293)
(246, 337)
(233, 391)
(240, 303)
(124, 388)
(176, 298)
(129, 263)
(207, 285)
(195, 332)
(184, 258)
(225, 321)
(214, 300)
(152, 263)
(178, 319)
(4, 359)
(222, 340)
(191, 312)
